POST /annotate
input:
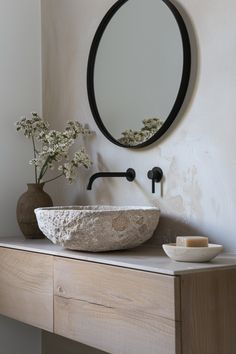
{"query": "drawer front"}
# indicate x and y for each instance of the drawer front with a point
(26, 287)
(115, 309)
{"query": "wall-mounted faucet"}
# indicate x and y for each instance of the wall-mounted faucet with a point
(156, 175)
(129, 175)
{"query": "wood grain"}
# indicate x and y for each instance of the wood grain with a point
(209, 312)
(26, 291)
(117, 310)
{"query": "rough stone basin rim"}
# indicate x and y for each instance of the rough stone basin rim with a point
(98, 228)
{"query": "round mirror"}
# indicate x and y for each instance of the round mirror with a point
(138, 71)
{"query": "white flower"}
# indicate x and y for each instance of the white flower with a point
(32, 127)
(69, 168)
(54, 146)
(131, 137)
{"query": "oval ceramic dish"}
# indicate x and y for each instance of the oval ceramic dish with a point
(192, 254)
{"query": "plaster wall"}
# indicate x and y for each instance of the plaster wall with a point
(20, 93)
(197, 155)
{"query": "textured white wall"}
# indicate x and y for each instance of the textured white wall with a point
(198, 153)
(20, 93)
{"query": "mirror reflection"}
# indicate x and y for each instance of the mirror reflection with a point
(138, 71)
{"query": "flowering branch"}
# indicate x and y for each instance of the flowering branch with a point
(51, 147)
(133, 137)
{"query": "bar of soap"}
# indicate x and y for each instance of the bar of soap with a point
(192, 241)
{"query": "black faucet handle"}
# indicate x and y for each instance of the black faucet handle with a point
(156, 175)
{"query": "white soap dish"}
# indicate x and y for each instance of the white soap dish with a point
(192, 254)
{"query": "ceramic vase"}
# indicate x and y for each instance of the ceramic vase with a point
(34, 197)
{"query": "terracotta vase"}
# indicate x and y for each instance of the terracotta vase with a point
(33, 198)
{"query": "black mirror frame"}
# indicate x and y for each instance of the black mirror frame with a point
(184, 81)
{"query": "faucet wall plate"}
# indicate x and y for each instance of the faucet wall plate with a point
(131, 174)
(156, 173)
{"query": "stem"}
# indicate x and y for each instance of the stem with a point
(43, 171)
(53, 179)
(35, 155)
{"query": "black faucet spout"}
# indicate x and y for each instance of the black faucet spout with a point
(129, 175)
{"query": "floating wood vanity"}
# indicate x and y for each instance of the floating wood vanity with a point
(130, 302)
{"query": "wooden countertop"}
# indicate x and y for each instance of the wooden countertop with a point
(141, 258)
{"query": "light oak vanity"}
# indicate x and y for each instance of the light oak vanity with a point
(132, 302)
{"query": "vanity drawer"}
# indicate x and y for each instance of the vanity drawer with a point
(26, 287)
(117, 310)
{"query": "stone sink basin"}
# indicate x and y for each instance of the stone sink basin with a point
(98, 228)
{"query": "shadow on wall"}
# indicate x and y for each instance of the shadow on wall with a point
(169, 228)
